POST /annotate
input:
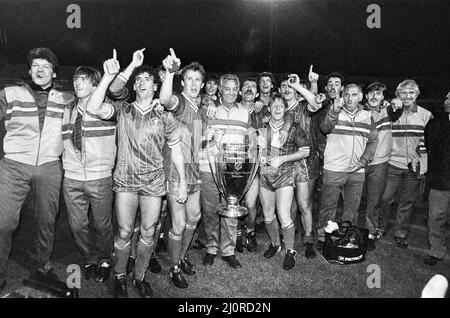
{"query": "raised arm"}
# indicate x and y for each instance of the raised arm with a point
(95, 106)
(331, 118)
(313, 78)
(117, 88)
(394, 109)
(172, 64)
(310, 97)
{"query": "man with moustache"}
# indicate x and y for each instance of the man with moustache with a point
(350, 146)
(88, 160)
(376, 172)
(407, 134)
(33, 142)
(246, 237)
(333, 89)
(437, 139)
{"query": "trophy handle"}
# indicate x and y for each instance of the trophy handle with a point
(212, 172)
(253, 173)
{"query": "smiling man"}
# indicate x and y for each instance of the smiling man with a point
(350, 146)
(33, 143)
(88, 160)
(276, 188)
(139, 180)
(232, 123)
(407, 134)
(383, 114)
(301, 104)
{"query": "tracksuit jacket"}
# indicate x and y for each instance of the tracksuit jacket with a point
(98, 152)
(24, 141)
(383, 116)
(407, 133)
(350, 138)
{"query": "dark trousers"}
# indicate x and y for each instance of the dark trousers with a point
(376, 176)
(437, 216)
(16, 180)
(405, 185)
(95, 247)
(351, 185)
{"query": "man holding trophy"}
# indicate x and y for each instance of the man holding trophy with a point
(228, 172)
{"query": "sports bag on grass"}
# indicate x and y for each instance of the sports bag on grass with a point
(346, 245)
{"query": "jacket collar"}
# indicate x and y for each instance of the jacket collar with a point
(370, 108)
(413, 108)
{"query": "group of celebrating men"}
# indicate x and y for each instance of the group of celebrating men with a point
(113, 142)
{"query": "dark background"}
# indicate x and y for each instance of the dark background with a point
(243, 36)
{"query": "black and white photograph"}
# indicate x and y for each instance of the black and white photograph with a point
(224, 156)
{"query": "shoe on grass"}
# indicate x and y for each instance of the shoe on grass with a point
(232, 261)
(272, 250)
(187, 267)
(289, 259)
(431, 260)
(153, 265)
(143, 288)
(208, 259)
(309, 250)
(177, 277)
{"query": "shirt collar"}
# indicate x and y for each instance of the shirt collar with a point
(275, 127)
(235, 105)
(191, 103)
(293, 105)
(413, 108)
(38, 88)
(368, 107)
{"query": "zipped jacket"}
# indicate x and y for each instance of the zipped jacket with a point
(383, 115)
(24, 141)
(98, 151)
(407, 133)
(350, 138)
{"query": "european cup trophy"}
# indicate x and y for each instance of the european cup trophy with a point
(233, 165)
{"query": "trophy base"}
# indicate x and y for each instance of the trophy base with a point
(232, 211)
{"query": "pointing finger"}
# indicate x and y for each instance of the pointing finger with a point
(114, 54)
(142, 50)
(172, 52)
(311, 68)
